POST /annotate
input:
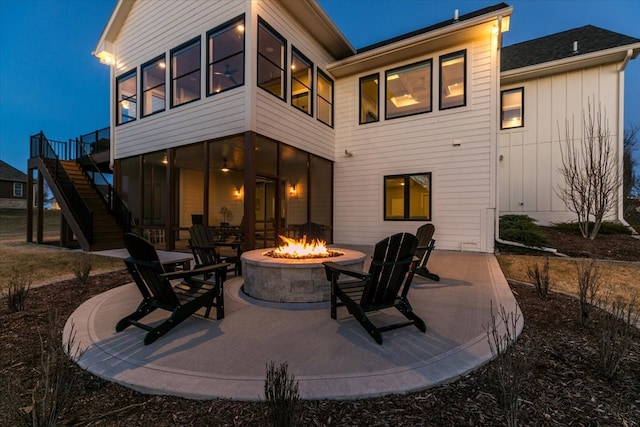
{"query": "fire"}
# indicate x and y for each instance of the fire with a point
(300, 248)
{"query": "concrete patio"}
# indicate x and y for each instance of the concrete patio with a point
(331, 359)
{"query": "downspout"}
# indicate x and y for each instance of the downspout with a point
(497, 168)
(623, 66)
(112, 131)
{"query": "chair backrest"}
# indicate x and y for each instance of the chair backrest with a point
(392, 258)
(312, 231)
(425, 237)
(203, 245)
(145, 269)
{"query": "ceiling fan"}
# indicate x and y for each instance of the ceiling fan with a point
(228, 73)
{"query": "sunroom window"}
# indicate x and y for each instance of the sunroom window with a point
(153, 86)
(512, 108)
(369, 99)
(453, 72)
(185, 73)
(126, 98)
(407, 197)
(301, 82)
(225, 56)
(325, 99)
(408, 90)
(272, 52)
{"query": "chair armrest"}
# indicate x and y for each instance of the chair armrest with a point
(333, 268)
(195, 271)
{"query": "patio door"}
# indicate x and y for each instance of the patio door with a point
(266, 212)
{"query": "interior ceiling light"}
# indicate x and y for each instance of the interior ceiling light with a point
(224, 166)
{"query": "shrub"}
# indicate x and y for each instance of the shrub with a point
(16, 290)
(539, 276)
(521, 229)
(281, 394)
(82, 268)
(617, 331)
(588, 286)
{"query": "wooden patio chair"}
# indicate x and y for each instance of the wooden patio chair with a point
(312, 231)
(206, 251)
(181, 300)
(385, 285)
(426, 244)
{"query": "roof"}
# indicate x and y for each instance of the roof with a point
(560, 46)
(433, 27)
(9, 173)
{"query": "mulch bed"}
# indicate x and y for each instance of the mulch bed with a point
(564, 384)
(619, 247)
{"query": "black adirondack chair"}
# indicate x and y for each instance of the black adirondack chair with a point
(385, 285)
(426, 244)
(206, 251)
(181, 300)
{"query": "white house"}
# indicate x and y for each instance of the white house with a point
(261, 114)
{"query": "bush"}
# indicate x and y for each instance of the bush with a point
(281, 394)
(617, 331)
(16, 290)
(521, 229)
(588, 286)
(539, 276)
(607, 227)
(82, 268)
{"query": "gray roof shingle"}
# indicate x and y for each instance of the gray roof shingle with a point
(560, 45)
(9, 173)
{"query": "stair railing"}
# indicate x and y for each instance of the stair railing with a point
(114, 203)
(43, 148)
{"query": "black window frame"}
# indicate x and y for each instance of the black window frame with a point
(502, 93)
(407, 198)
(398, 70)
(143, 67)
(126, 76)
(283, 67)
(444, 58)
(360, 111)
(324, 75)
(176, 50)
(229, 25)
(303, 58)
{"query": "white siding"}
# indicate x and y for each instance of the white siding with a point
(461, 175)
(530, 156)
(153, 28)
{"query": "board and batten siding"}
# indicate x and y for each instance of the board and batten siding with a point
(463, 201)
(153, 28)
(530, 157)
(278, 119)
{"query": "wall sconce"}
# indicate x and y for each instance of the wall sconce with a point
(292, 190)
(164, 159)
(237, 194)
(224, 166)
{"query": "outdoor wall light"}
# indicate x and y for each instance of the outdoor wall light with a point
(164, 159)
(292, 190)
(106, 58)
(224, 166)
(237, 194)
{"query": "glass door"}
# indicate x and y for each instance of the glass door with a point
(266, 213)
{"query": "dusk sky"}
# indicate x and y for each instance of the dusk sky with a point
(49, 81)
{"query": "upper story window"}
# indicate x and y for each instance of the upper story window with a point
(408, 90)
(453, 78)
(225, 56)
(126, 98)
(407, 197)
(369, 99)
(301, 82)
(272, 54)
(512, 108)
(153, 86)
(185, 73)
(17, 189)
(325, 99)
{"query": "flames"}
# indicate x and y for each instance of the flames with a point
(300, 248)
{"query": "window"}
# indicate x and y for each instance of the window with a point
(407, 197)
(126, 97)
(17, 189)
(512, 108)
(153, 86)
(185, 73)
(272, 52)
(369, 99)
(408, 90)
(325, 99)
(301, 82)
(225, 56)
(453, 78)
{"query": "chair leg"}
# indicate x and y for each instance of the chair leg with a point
(334, 304)
(143, 309)
(362, 318)
(405, 308)
(424, 272)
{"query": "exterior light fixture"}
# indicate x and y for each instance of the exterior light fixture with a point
(224, 166)
(292, 190)
(164, 159)
(106, 58)
(237, 194)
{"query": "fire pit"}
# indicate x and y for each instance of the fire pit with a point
(294, 272)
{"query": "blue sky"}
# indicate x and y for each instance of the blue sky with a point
(49, 81)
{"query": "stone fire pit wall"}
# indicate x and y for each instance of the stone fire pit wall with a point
(292, 280)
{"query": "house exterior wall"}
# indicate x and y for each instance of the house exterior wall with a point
(463, 177)
(530, 156)
(150, 31)
(8, 200)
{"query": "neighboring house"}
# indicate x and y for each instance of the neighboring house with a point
(13, 187)
(264, 108)
(545, 83)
